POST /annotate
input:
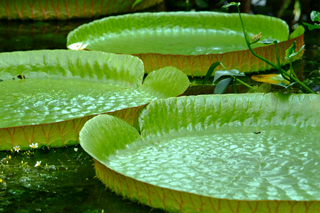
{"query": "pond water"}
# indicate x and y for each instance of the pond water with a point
(65, 180)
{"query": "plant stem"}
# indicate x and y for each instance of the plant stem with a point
(291, 70)
(234, 85)
(279, 65)
(241, 82)
(283, 72)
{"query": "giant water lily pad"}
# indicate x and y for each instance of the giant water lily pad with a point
(66, 9)
(190, 41)
(47, 96)
(223, 153)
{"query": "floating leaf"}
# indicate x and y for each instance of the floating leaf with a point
(62, 89)
(192, 150)
(160, 39)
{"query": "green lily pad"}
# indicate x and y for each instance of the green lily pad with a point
(60, 90)
(240, 153)
(190, 41)
(56, 9)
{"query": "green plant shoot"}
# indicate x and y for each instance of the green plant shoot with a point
(291, 77)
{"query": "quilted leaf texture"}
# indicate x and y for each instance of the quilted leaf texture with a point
(46, 96)
(213, 153)
(54, 135)
(177, 201)
(188, 41)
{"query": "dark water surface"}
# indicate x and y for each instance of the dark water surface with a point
(64, 182)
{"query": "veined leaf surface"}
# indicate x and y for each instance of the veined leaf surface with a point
(241, 153)
(190, 41)
(62, 85)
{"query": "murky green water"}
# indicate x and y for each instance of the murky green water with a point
(64, 182)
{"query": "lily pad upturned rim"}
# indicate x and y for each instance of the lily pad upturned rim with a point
(41, 64)
(81, 66)
(20, 10)
(171, 20)
(156, 126)
(194, 65)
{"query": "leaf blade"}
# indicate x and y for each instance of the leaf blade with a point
(222, 85)
(210, 71)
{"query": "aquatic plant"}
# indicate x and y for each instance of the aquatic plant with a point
(235, 153)
(189, 41)
(285, 76)
(48, 95)
(315, 17)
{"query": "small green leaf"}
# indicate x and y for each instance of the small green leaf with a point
(282, 84)
(232, 72)
(210, 71)
(312, 26)
(110, 128)
(269, 41)
(231, 5)
(136, 2)
(290, 52)
(315, 16)
(297, 32)
(166, 82)
(222, 86)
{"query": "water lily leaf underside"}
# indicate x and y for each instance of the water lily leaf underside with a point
(240, 153)
(189, 41)
(60, 89)
(56, 9)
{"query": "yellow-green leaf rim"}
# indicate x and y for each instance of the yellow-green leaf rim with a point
(189, 41)
(66, 9)
(244, 153)
(62, 89)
